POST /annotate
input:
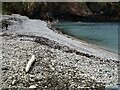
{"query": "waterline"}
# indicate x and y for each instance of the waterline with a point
(102, 34)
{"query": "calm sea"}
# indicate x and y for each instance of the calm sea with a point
(102, 34)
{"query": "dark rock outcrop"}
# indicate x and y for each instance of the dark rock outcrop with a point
(71, 11)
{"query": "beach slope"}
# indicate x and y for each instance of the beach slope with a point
(60, 59)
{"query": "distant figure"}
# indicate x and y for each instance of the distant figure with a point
(6, 26)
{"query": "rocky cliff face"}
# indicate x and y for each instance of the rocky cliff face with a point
(72, 11)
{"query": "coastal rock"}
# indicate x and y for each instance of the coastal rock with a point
(70, 11)
(32, 86)
(13, 82)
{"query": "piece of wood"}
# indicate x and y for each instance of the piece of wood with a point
(30, 63)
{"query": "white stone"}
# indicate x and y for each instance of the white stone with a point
(32, 86)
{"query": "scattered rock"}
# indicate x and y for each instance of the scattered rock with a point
(32, 86)
(13, 82)
(56, 67)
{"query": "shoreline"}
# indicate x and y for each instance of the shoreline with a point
(56, 60)
(95, 46)
(89, 43)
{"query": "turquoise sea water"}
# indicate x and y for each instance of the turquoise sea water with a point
(102, 34)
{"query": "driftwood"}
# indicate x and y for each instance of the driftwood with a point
(30, 62)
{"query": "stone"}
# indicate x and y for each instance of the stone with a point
(13, 82)
(32, 86)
